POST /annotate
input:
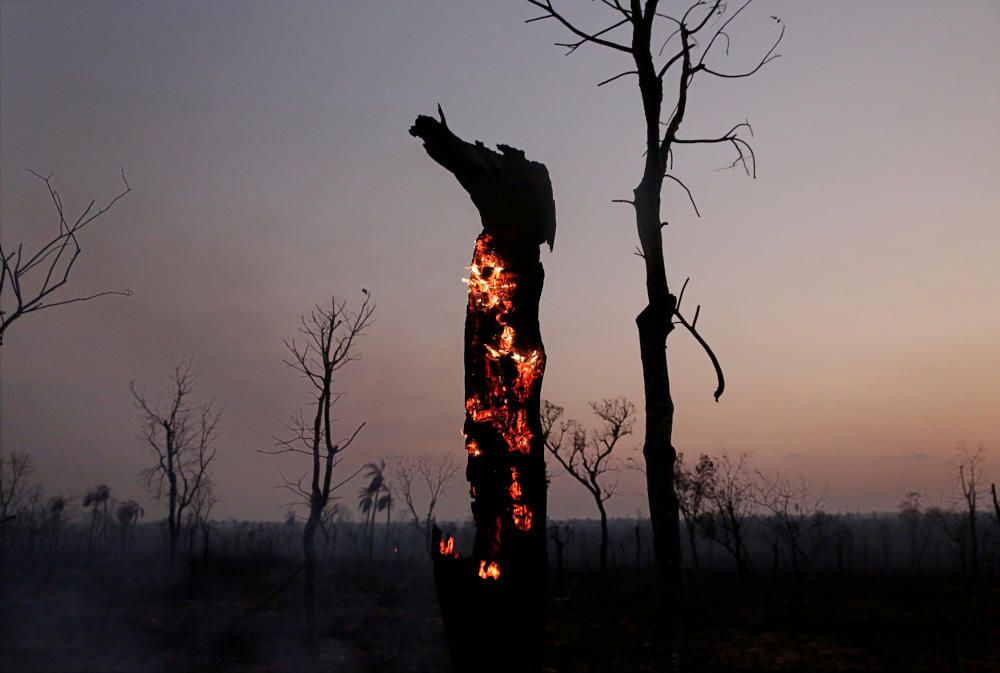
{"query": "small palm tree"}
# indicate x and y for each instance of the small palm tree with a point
(385, 503)
(98, 499)
(369, 500)
(128, 514)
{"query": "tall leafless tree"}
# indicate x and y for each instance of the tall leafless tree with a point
(692, 41)
(415, 479)
(329, 343)
(30, 282)
(182, 437)
(587, 457)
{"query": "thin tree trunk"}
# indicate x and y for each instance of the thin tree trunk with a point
(498, 595)
(604, 540)
(692, 534)
(388, 514)
(309, 586)
(996, 503)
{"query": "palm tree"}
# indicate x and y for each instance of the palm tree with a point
(128, 514)
(97, 498)
(369, 501)
(385, 503)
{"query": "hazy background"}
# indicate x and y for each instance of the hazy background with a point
(850, 291)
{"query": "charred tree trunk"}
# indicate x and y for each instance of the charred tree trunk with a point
(309, 586)
(604, 540)
(498, 594)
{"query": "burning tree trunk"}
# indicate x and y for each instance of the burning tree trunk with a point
(498, 594)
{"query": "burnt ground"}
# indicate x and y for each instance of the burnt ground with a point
(81, 613)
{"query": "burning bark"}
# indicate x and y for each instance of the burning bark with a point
(497, 595)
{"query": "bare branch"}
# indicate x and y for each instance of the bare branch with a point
(585, 37)
(720, 378)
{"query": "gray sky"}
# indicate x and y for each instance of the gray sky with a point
(850, 290)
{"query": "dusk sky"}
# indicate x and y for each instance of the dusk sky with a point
(851, 290)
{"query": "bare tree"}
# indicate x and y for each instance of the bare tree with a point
(428, 475)
(587, 457)
(694, 492)
(182, 436)
(732, 506)
(29, 281)
(970, 468)
(793, 513)
(329, 335)
(692, 40)
(15, 469)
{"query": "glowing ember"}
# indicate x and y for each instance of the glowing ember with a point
(506, 369)
(515, 487)
(491, 290)
(522, 517)
(489, 571)
(447, 547)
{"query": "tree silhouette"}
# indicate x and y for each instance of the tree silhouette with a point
(969, 465)
(694, 492)
(15, 468)
(29, 281)
(98, 499)
(733, 504)
(911, 512)
(329, 345)
(374, 498)
(436, 475)
(182, 436)
(128, 514)
(587, 457)
(643, 25)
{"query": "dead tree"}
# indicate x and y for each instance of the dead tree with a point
(793, 514)
(15, 469)
(30, 282)
(503, 582)
(330, 334)
(970, 467)
(182, 436)
(694, 491)
(732, 507)
(692, 41)
(587, 458)
(436, 475)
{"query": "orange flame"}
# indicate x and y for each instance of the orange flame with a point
(522, 517)
(489, 571)
(447, 547)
